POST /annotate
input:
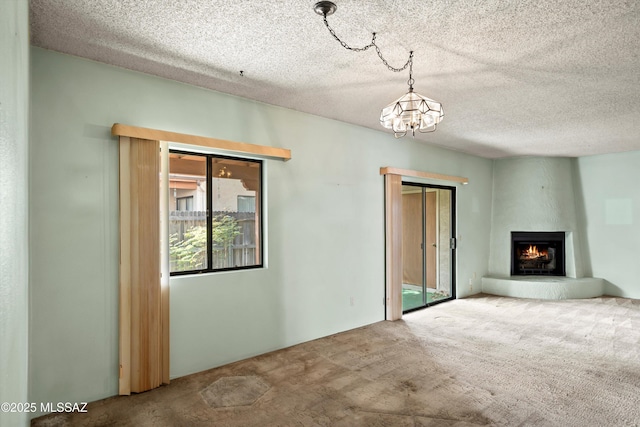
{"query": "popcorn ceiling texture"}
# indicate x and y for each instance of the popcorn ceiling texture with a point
(551, 78)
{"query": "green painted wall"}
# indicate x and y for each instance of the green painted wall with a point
(609, 198)
(14, 255)
(324, 225)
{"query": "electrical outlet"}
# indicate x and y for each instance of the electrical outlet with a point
(470, 285)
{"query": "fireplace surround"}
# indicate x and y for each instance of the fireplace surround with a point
(536, 194)
(538, 253)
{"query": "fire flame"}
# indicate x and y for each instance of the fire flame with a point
(532, 252)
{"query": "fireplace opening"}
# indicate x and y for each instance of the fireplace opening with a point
(535, 253)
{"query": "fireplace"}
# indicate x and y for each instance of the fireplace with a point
(536, 253)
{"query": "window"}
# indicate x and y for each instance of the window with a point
(217, 224)
(246, 204)
(184, 203)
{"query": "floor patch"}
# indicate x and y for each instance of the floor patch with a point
(234, 391)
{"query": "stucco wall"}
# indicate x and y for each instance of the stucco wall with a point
(533, 194)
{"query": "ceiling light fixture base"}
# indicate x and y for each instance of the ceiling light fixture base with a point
(325, 8)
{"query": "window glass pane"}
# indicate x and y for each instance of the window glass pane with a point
(236, 213)
(246, 204)
(188, 219)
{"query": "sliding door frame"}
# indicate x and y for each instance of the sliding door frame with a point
(393, 178)
(452, 242)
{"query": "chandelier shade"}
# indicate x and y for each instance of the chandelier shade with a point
(411, 112)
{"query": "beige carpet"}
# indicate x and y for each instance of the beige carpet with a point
(478, 361)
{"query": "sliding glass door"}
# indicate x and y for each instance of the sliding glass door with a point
(428, 214)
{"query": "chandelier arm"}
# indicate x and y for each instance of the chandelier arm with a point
(399, 135)
(432, 129)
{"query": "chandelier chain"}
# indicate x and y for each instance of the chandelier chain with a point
(345, 45)
(372, 44)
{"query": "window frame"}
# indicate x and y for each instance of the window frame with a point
(186, 205)
(209, 221)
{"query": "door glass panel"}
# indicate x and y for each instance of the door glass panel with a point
(427, 256)
(442, 288)
(413, 292)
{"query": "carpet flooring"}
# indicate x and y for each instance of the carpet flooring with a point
(478, 361)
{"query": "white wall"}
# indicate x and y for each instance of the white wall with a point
(14, 255)
(608, 195)
(324, 223)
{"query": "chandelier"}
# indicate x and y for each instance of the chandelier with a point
(411, 112)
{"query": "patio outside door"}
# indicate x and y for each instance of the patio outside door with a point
(427, 255)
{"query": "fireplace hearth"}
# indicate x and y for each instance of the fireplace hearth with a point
(535, 253)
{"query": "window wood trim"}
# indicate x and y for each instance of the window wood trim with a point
(388, 170)
(393, 246)
(121, 130)
(144, 303)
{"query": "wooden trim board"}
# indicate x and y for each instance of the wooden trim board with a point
(144, 325)
(387, 170)
(162, 135)
(124, 384)
(393, 245)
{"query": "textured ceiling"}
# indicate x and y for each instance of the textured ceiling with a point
(551, 78)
